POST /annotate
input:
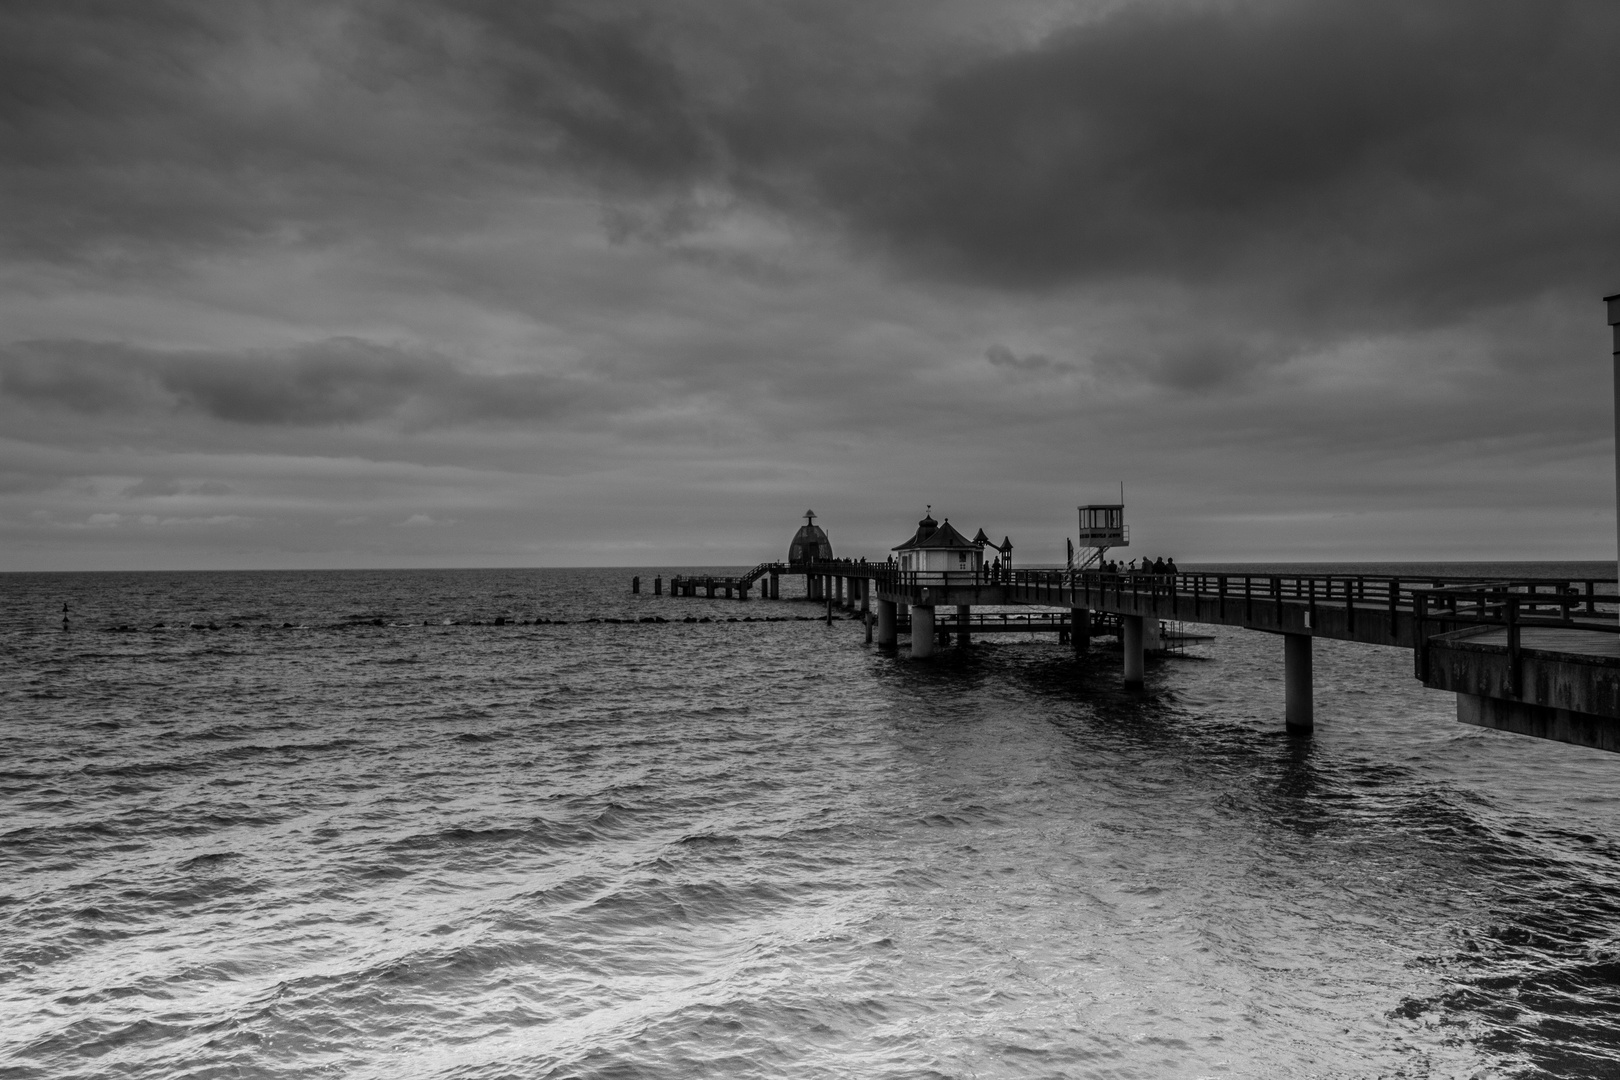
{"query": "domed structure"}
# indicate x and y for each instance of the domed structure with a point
(810, 543)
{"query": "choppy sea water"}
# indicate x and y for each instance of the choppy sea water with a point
(357, 828)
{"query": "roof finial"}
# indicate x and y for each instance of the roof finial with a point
(809, 517)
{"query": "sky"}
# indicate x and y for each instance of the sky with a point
(503, 283)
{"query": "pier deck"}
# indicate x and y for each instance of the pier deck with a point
(1538, 657)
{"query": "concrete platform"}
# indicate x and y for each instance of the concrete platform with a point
(1554, 640)
(1563, 683)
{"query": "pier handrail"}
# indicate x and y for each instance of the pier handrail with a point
(1519, 604)
(758, 572)
(1390, 591)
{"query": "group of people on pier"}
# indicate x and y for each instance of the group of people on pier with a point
(1149, 566)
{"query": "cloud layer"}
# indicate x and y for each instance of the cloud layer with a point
(339, 381)
(531, 272)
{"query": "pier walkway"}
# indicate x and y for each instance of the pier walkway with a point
(1539, 657)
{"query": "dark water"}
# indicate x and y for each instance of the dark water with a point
(393, 839)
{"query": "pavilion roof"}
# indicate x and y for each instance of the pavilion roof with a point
(940, 536)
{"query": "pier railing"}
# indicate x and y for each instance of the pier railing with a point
(1514, 607)
(1370, 589)
(1381, 609)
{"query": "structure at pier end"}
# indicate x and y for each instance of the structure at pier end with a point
(810, 543)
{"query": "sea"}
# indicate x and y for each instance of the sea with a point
(527, 823)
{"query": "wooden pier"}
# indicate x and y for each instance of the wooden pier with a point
(1537, 657)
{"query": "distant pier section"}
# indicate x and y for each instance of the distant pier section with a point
(1536, 657)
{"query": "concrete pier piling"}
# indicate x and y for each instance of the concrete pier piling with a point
(964, 612)
(1131, 638)
(887, 611)
(1298, 704)
(635, 584)
(922, 632)
(658, 585)
(1080, 629)
(866, 608)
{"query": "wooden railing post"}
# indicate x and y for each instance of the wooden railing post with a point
(1394, 606)
(1513, 645)
(1420, 612)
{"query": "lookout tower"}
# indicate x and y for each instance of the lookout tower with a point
(1102, 526)
(810, 543)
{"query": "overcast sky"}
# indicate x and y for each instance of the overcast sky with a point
(493, 282)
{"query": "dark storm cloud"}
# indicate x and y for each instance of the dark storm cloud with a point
(1406, 156)
(140, 132)
(1356, 162)
(607, 95)
(338, 381)
(1384, 161)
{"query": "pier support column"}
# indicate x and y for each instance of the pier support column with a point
(658, 586)
(866, 608)
(964, 612)
(1130, 636)
(838, 589)
(1298, 705)
(886, 632)
(922, 631)
(1080, 629)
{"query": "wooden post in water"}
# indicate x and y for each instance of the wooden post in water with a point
(1080, 629)
(866, 608)
(964, 614)
(658, 585)
(635, 584)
